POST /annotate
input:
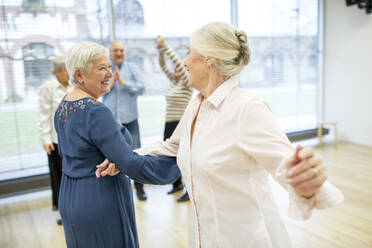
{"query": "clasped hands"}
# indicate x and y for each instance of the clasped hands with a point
(305, 171)
(116, 75)
(106, 168)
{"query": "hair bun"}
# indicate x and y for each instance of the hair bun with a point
(241, 35)
(244, 52)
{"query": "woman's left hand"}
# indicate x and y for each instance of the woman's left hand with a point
(305, 171)
(106, 168)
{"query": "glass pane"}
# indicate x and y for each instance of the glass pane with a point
(28, 43)
(138, 23)
(283, 37)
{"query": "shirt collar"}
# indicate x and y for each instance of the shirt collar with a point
(222, 91)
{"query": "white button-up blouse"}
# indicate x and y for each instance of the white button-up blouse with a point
(236, 143)
(50, 96)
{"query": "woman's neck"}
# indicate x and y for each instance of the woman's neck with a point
(79, 92)
(214, 81)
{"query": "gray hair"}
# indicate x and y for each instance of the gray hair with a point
(80, 56)
(58, 63)
(224, 43)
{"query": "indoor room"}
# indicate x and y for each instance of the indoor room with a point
(182, 124)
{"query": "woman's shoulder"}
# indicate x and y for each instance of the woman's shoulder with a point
(245, 96)
(82, 104)
(97, 107)
(68, 108)
(245, 100)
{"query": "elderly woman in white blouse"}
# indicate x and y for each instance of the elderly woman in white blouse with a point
(227, 143)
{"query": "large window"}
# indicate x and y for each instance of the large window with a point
(283, 38)
(37, 65)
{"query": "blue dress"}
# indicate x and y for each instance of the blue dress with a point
(100, 212)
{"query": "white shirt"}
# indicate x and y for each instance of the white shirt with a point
(236, 143)
(50, 96)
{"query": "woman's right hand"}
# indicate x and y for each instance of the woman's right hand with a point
(106, 168)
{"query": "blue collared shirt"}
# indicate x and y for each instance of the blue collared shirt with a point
(122, 99)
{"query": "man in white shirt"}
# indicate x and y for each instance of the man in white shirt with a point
(50, 95)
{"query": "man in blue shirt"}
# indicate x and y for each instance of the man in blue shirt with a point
(126, 85)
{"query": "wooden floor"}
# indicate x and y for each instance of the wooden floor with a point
(27, 221)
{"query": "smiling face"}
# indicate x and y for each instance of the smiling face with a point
(117, 52)
(97, 81)
(198, 69)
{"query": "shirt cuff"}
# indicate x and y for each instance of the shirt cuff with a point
(300, 208)
(328, 196)
(46, 140)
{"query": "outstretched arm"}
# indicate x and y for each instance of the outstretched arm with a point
(160, 148)
(300, 172)
(106, 134)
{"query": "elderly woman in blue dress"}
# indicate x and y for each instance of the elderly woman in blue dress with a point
(99, 212)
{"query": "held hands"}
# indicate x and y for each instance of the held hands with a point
(48, 148)
(106, 168)
(305, 171)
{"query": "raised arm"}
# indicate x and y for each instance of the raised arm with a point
(107, 136)
(161, 49)
(175, 60)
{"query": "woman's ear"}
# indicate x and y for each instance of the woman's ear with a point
(78, 75)
(211, 63)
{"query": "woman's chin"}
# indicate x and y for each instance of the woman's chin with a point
(106, 88)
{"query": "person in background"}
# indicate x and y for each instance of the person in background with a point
(126, 85)
(177, 97)
(50, 95)
(227, 144)
(99, 212)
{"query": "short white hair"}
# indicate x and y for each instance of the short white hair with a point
(225, 43)
(59, 63)
(81, 55)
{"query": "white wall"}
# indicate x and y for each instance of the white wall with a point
(348, 70)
